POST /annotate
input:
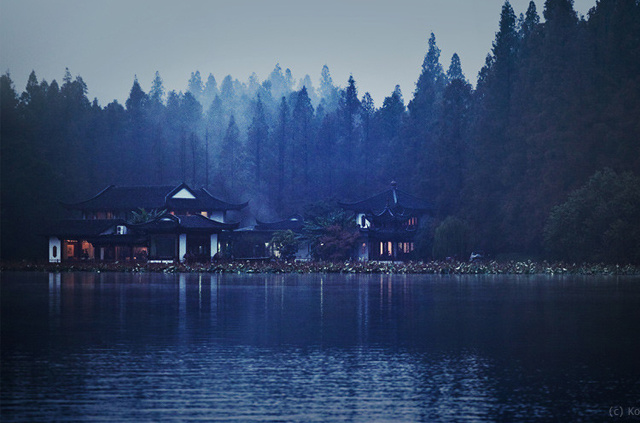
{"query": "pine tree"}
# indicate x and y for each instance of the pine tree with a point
(367, 112)
(450, 154)
(136, 99)
(282, 138)
(258, 137)
(195, 86)
(156, 94)
(210, 92)
(419, 135)
(328, 91)
(229, 159)
(531, 21)
(389, 119)
(302, 119)
(348, 112)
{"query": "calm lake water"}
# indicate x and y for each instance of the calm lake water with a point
(155, 347)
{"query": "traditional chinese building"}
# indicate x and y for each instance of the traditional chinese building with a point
(388, 223)
(144, 222)
(254, 241)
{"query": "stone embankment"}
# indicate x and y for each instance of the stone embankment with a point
(416, 267)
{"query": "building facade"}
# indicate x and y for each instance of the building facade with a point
(388, 223)
(179, 223)
(156, 223)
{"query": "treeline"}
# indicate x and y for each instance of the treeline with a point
(556, 102)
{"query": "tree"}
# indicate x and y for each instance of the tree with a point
(229, 159)
(348, 112)
(285, 243)
(487, 185)
(388, 122)
(279, 85)
(560, 13)
(531, 21)
(449, 156)
(369, 147)
(156, 94)
(195, 86)
(306, 83)
(210, 91)
(258, 137)
(599, 222)
(332, 233)
(419, 134)
(282, 137)
(451, 239)
(328, 91)
(143, 216)
(137, 98)
(302, 119)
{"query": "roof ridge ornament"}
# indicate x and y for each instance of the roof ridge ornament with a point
(394, 185)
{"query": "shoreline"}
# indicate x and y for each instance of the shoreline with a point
(371, 267)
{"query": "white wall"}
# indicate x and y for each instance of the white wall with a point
(184, 193)
(218, 216)
(55, 250)
(214, 244)
(359, 217)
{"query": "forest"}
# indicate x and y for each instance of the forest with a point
(539, 159)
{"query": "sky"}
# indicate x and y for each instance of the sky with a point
(380, 42)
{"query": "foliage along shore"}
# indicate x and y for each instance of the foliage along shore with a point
(371, 267)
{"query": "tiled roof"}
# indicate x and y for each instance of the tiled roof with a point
(294, 223)
(170, 223)
(392, 199)
(81, 228)
(115, 198)
(201, 222)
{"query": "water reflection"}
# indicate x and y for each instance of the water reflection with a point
(129, 347)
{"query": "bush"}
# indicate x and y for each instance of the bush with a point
(451, 239)
(337, 243)
(285, 243)
(598, 222)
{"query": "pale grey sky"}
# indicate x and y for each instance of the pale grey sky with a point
(380, 42)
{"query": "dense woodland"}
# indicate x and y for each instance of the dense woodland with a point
(557, 102)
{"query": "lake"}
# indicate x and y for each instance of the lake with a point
(314, 348)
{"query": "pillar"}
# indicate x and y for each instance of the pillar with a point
(182, 247)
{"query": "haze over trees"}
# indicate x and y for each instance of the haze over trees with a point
(557, 101)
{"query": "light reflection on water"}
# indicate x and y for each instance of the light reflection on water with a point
(153, 347)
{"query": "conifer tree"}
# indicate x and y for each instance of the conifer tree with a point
(302, 119)
(328, 91)
(282, 140)
(195, 86)
(156, 94)
(210, 92)
(229, 158)
(418, 139)
(258, 136)
(348, 113)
